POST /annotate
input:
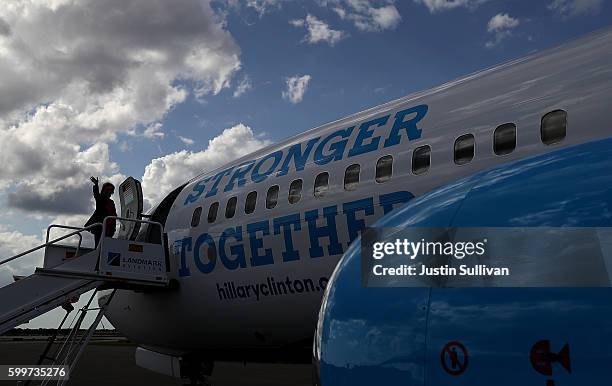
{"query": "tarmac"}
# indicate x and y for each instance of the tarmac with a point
(111, 364)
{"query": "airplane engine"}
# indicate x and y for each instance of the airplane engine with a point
(480, 336)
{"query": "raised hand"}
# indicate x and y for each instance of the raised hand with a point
(94, 180)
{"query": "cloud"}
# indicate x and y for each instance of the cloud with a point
(186, 141)
(243, 86)
(263, 6)
(76, 76)
(318, 31)
(31, 199)
(124, 146)
(260, 6)
(296, 87)
(11, 243)
(446, 5)
(569, 8)
(367, 15)
(153, 131)
(500, 25)
(58, 185)
(168, 172)
(501, 21)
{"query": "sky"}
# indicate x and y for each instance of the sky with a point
(163, 90)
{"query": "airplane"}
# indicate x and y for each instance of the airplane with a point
(252, 244)
(548, 323)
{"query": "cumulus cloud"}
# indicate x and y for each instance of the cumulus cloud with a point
(296, 87)
(168, 172)
(500, 25)
(569, 8)
(58, 185)
(446, 5)
(318, 31)
(243, 86)
(367, 15)
(78, 75)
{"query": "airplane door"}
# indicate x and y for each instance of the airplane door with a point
(130, 197)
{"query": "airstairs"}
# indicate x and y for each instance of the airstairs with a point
(69, 271)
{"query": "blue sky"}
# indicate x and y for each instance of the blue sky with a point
(360, 71)
(162, 90)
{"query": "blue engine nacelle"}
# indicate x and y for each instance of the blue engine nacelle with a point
(479, 336)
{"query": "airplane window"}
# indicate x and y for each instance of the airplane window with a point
(230, 208)
(251, 202)
(272, 197)
(321, 184)
(421, 159)
(384, 168)
(351, 177)
(195, 219)
(553, 127)
(212, 211)
(295, 191)
(464, 149)
(504, 139)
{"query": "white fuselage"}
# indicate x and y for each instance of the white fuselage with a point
(262, 283)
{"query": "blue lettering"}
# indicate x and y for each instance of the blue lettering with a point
(218, 177)
(185, 246)
(199, 188)
(211, 251)
(285, 222)
(410, 125)
(299, 158)
(239, 176)
(257, 243)
(389, 200)
(336, 148)
(256, 176)
(353, 224)
(330, 231)
(364, 133)
(237, 250)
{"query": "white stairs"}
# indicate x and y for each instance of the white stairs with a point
(70, 271)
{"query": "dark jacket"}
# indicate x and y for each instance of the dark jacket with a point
(104, 207)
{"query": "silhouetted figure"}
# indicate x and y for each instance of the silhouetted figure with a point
(104, 207)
